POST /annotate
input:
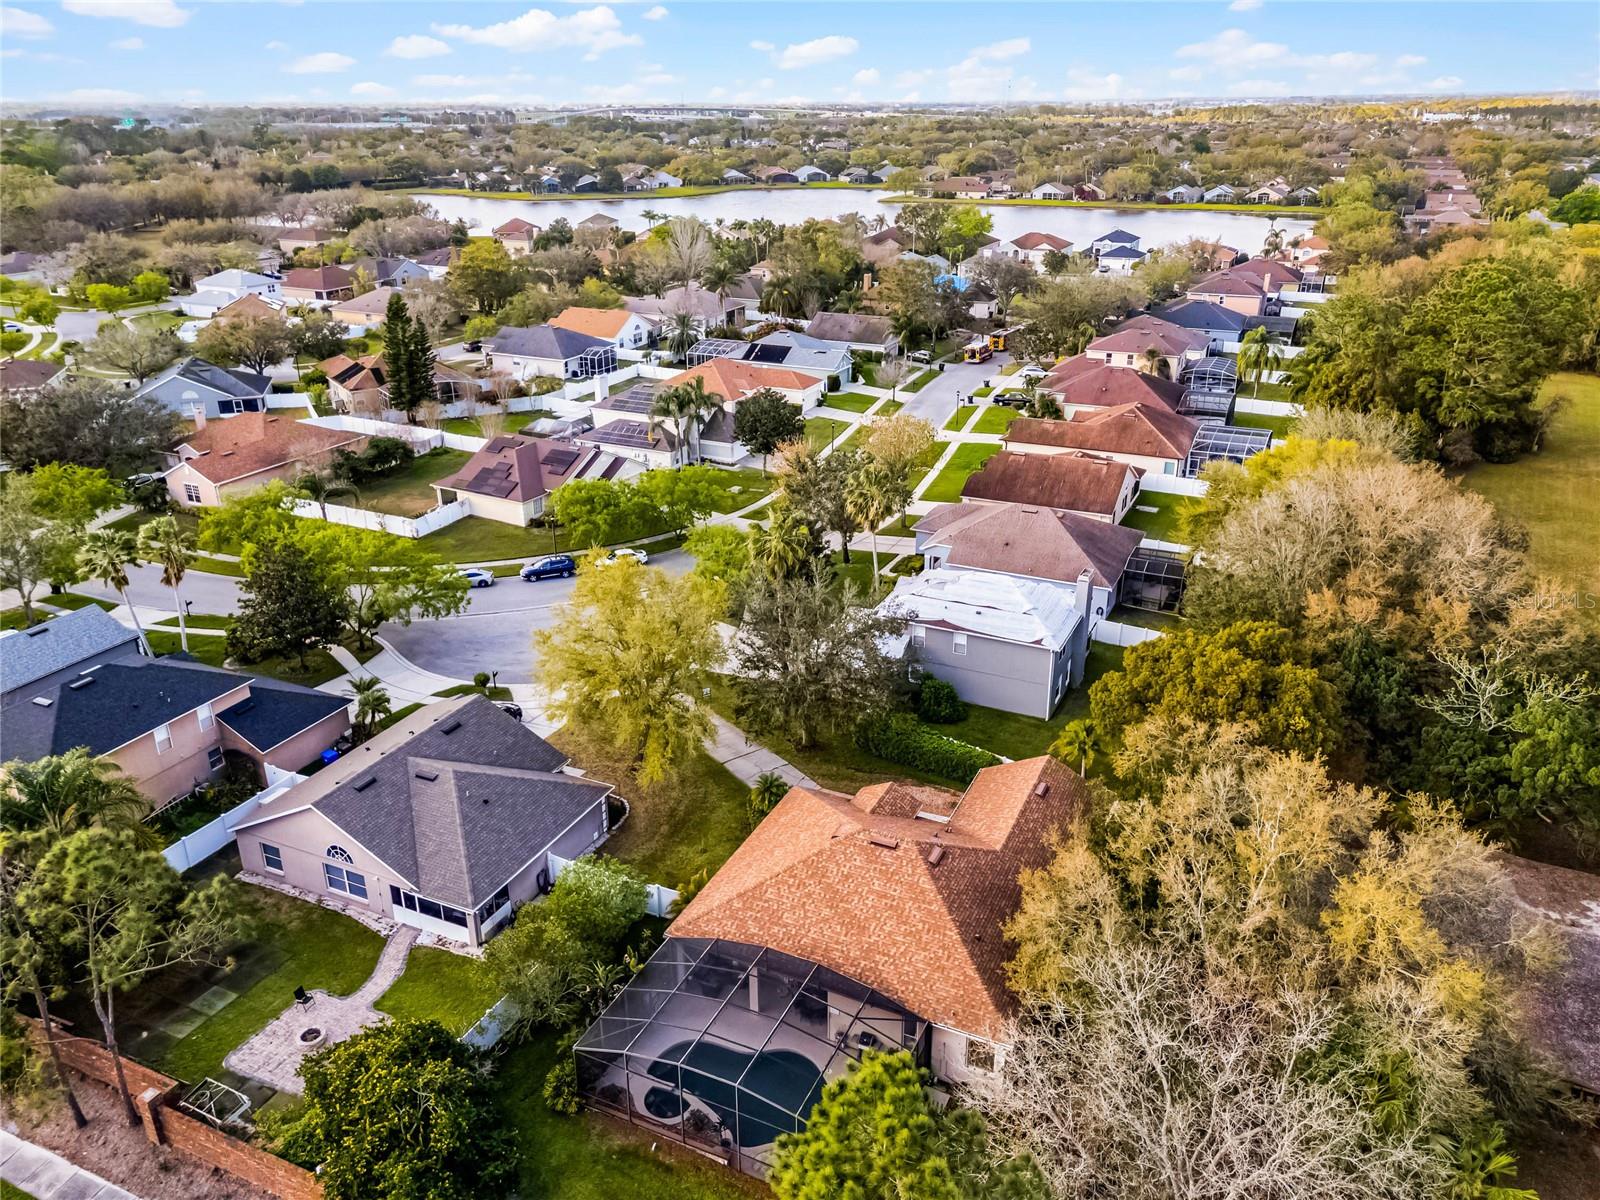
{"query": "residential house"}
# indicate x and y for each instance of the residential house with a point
(733, 176)
(23, 266)
(1274, 192)
(586, 183)
(649, 180)
(1149, 436)
(1113, 240)
(709, 309)
(168, 723)
(1029, 248)
(1081, 383)
(1089, 485)
(1051, 191)
(195, 387)
(811, 174)
(249, 307)
(216, 292)
(1217, 322)
(625, 330)
(517, 236)
(1305, 195)
(317, 284)
(1120, 260)
(39, 658)
(364, 312)
(27, 376)
(222, 459)
(1089, 191)
(394, 271)
(1184, 193)
(308, 238)
(1235, 289)
(548, 185)
(1136, 342)
(1002, 641)
(511, 478)
(775, 175)
(598, 221)
(793, 351)
(886, 246)
(1272, 276)
(437, 262)
(447, 821)
(361, 385)
(842, 924)
(855, 331)
(858, 175)
(968, 187)
(527, 351)
(1220, 193)
(1306, 251)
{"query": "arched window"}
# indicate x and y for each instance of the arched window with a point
(339, 854)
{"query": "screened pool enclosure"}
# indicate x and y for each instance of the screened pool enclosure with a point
(723, 1046)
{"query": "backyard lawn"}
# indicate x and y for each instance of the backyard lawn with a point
(856, 402)
(464, 426)
(408, 491)
(1280, 426)
(476, 539)
(1552, 493)
(821, 430)
(968, 457)
(441, 986)
(212, 649)
(958, 419)
(745, 485)
(1162, 524)
(1013, 735)
(996, 418)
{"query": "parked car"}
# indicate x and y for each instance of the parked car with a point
(13, 327)
(472, 347)
(551, 566)
(921, 356)
(478, 577)
(639, 556)
(512, 710)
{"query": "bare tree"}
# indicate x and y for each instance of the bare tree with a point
(688, 248)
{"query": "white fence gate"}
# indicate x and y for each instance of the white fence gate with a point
(409, 527)
(213, 836)
(1115, 633)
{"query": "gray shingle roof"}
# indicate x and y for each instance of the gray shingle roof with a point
(227, 380)
(71, 638)
(275, 711)
(1201, 314)
(849, 327)
(544, 341)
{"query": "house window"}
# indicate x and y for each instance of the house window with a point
(214, 757)
(230, 407)
(919, 635)
(163, 738)
(205, 716)
(958, 643)
(341, 879)
(272, 858)
(191, 493)
(422, 906)
(339, 854)
(980, 1055)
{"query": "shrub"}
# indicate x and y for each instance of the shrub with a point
(481, 679)
(12, 342)
(900, 739)
(561, 1082)
(938, 703)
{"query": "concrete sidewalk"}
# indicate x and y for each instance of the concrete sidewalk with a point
(45, 1175)
(749, 760)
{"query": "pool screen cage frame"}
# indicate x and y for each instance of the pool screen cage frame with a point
(722, 1046)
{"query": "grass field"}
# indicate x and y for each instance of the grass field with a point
(856, 402)
(441, 986)
(996, 418)
(744, 487)
(1161, 524)
(947, 484)
(408, 491)
(958, 419)
(1280, 426)
(1552, 493)
(212, 650)
(820, 430)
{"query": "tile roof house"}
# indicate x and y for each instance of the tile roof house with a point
(365, 311)
(446, 821)
(317, 283)
(221, 459)
(1219, 323)
(394, 271)
(598, 221)
(517, 236)
(361, 385)
(307, 238)
(1273, 276)
(625, 330)
(27, 374)
(195, 388)
(1233, 289)
(1090, 485)
(168, 722)
(707, 307)
(511, 478)
(248, 307)
(1089, 383)
(1051, 191)
(1127, 344)
(526, 351)
(217, 291)
(1029, 248)
(42, 656)
(1149, 436)
(854, 331)
(1112, 240)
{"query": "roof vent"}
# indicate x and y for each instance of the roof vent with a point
(1041, 788)
(37, 630)
(84, 682)
(451, 728)
(43, 701)
(430, 776)
(883, 840)
(935, 856)
(364, 784)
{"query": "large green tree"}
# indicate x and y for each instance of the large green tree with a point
(89, 422)
(290, 603)
(766, 420)
(256, 343)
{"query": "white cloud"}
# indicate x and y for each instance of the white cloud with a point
(1239, 62)
(163, 14)
(865, 77)
(1411, 60)
(619, 93)
(980, 76)
(912, 79)
(89, 97)
(911, 97)
(133, 43)
(658, 79)
(370, 88)
(595, 30)
(763, 47)
(1444, 83)
(1244, 5)
(1000, 51)
(275, 45)
(1234, 50)
(1086, 85)
(325, 63)
(444, 81)
(656, 13)
(20, 23)
(717, 93)
(816, 51)
(417, 45)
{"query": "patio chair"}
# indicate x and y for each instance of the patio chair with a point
(303, 998)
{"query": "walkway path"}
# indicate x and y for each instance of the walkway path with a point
(274, 1055)
(749, 760)
(45, 1175)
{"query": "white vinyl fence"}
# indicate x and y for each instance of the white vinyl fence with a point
(1266, 408)
(213, 836)
(1115, 633)
(411, 527)
(1172, 484)
(420, 438)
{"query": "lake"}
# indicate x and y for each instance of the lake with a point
(790, 206)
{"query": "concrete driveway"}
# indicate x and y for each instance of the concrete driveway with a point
(937, 401)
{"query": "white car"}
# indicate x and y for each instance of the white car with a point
(638, 556)
(921, 356)
(477, 577)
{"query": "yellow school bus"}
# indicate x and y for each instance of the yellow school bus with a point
(977, 352)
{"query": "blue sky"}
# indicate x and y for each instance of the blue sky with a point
(124, 53)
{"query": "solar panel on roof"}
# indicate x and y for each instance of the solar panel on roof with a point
(767, 354)
(560, 460)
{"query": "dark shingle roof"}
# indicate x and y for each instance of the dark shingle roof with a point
(275, 711)
(227, 380)
(74, 637)
(544, 341)
(1202, 314)
(22, 374)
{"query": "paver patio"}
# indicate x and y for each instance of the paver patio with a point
(274, 1055)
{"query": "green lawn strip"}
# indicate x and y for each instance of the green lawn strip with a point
(859, 572)
(441, 986)
(72, 601)
(677, 828)
(42, 347)
(12, 618)
(743, 486)
(1161, 524)
(164, 318)
(1280, 426)
(968, 457)
(408, 491)
(10, 1191)
(476, 539)
(209, 565)
(1551, 493)
(472, 689)
(589, 1157)
(1075, 704)
(294, 944)
(888, 408)
(199, 621)
(900, 526)
(211, 650)
(856, 402)
(464, 426)
(398, 715)
(1267, 391)
(1008, 734)
(958, 419)
(819, 431)
(996, 418)
(1011, 368)
(1146, 619)
(188, 520)
(982, 393)
(920, 382)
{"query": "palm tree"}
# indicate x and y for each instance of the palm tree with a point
(105, 557)
(868, 497)
(320, 488)
(769, 788)
(1078, 740)
(696, 403)
(878, 223)
(783, 545)
(1273, 241)
(164, 544)
(63, 793)
(1151, 362)
(1258, 357)
(372, 703)
(683, 331)
(652, 217)
(717, 278)
(673, 405)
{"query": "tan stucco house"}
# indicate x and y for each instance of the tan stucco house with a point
(223, 458)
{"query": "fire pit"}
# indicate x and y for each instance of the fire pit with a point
(313, 1037)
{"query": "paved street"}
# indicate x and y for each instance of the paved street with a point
(936, 402)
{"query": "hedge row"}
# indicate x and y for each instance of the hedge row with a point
(901, 739)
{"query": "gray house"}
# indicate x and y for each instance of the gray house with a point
(35, 659)
(445, 821)
(1003, 642)
(194, 386)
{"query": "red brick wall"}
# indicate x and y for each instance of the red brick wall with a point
(155, 1095)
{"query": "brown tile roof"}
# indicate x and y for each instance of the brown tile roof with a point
(733, 379)
(1084, 483)
(317, 279)
(516, 227)
(596, 322)
(1151, 430)
(1037, 241)
(1141, 333)
(912, 907)
(1020, 539)
(247, 305)
(1269, 273)
(354, 374)
(850, 327)
(519, 468)
(1233, 282)
(369, 304)
(231, 448)
(1087, 381)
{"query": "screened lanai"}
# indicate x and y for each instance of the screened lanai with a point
(723, 1046)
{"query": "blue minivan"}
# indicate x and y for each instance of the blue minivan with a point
(551, 566)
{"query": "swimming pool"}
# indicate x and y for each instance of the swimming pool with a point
(776, 1085)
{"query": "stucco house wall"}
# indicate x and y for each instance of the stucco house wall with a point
(166, 775)
(995, 673)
